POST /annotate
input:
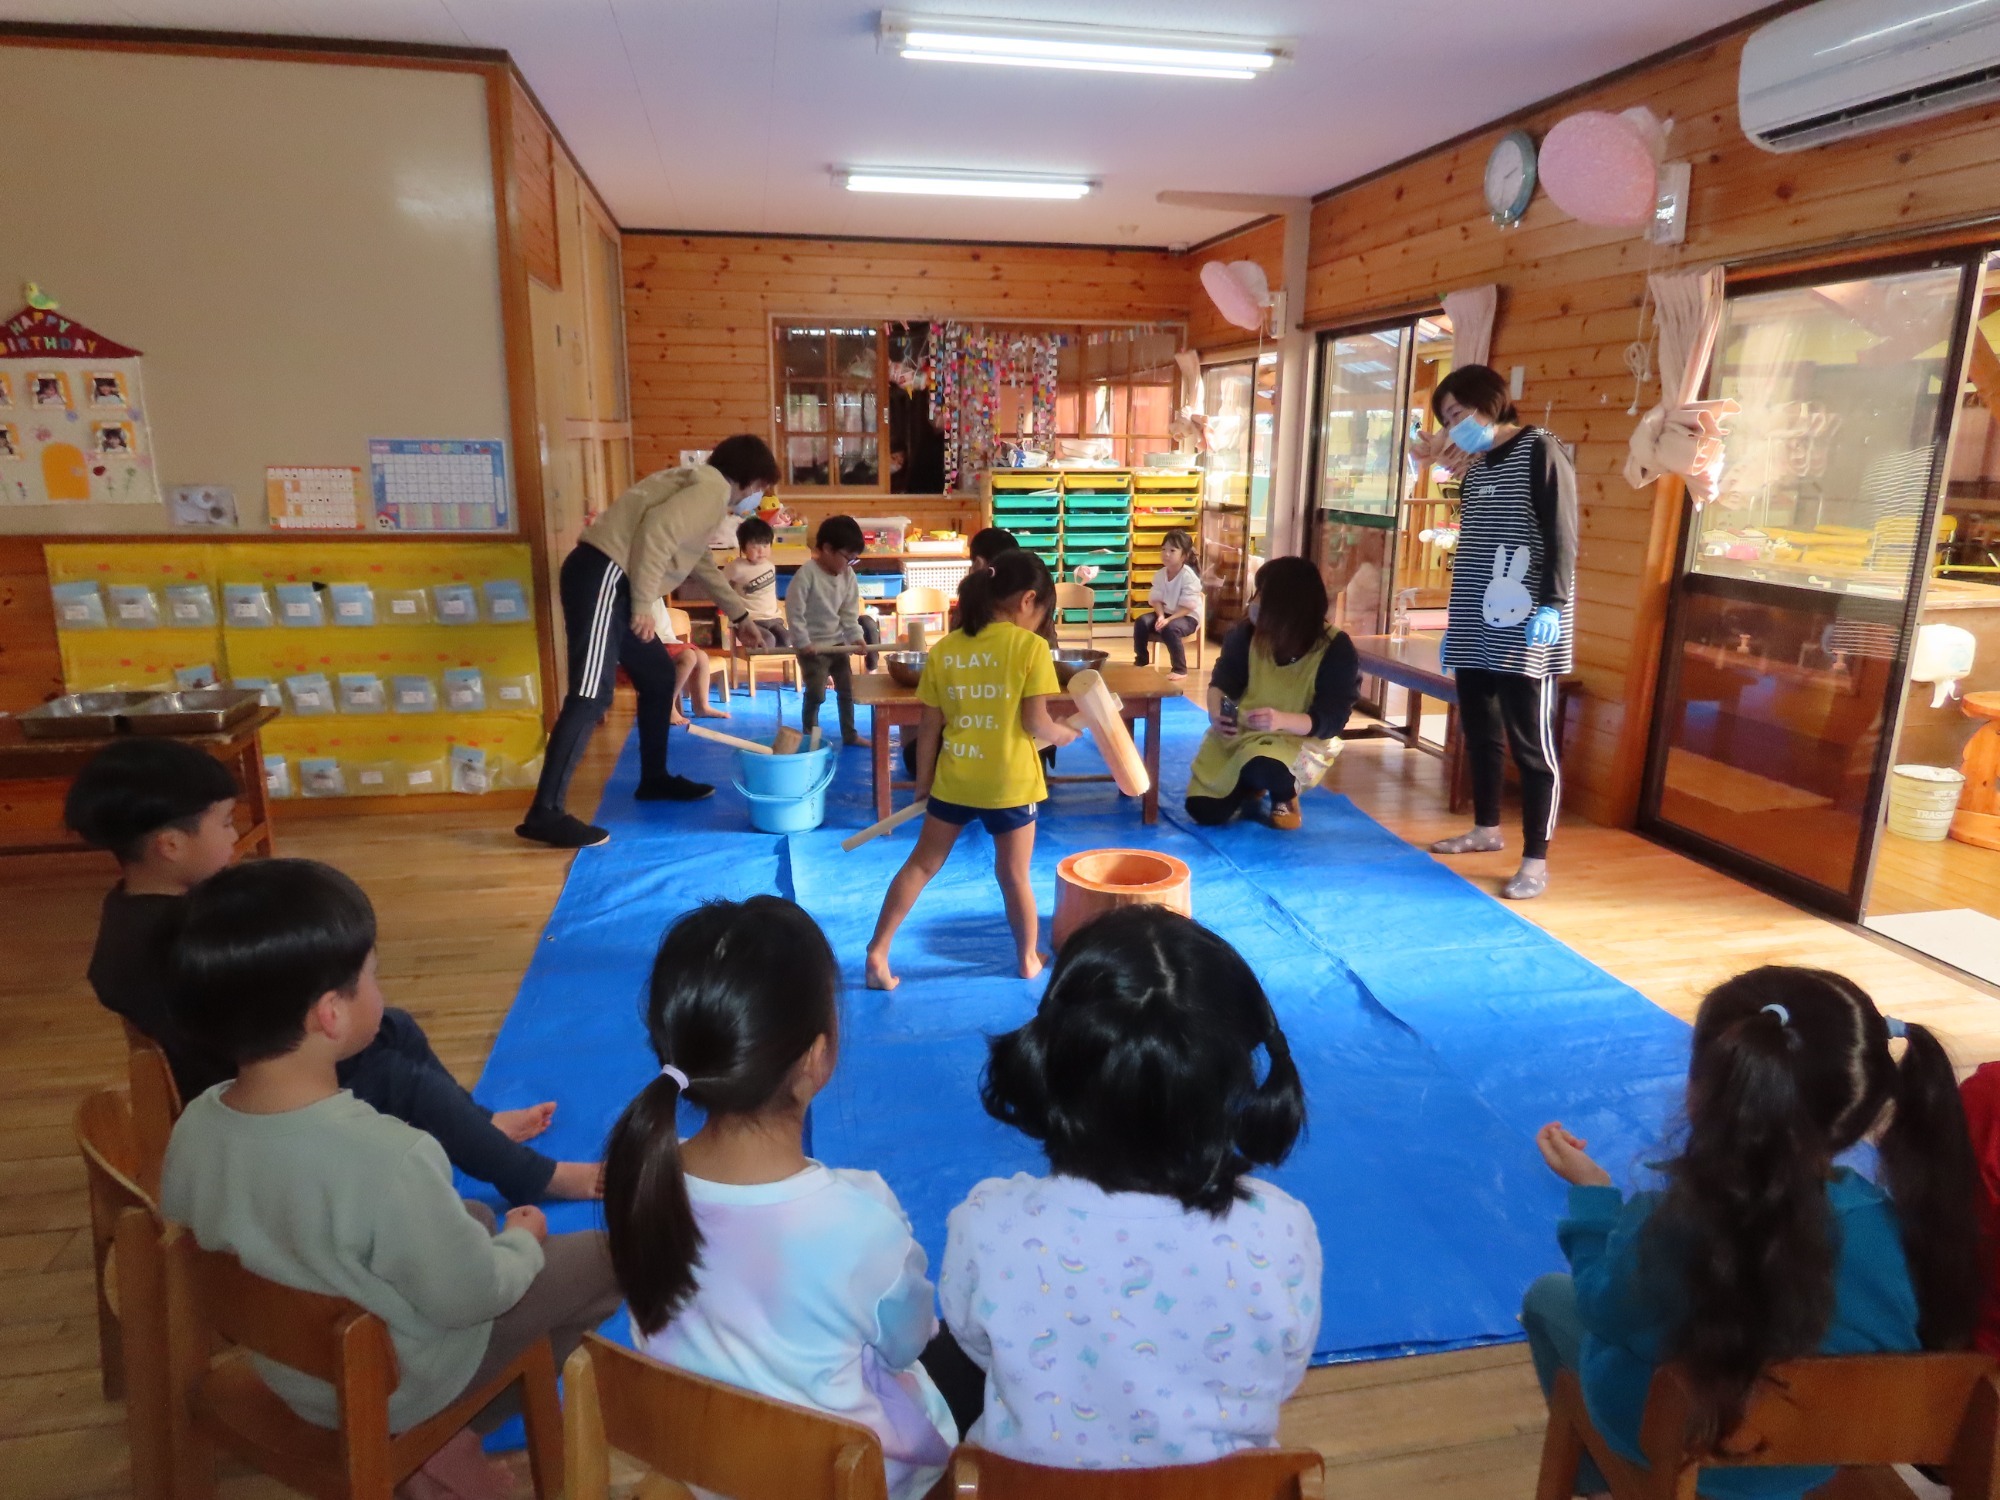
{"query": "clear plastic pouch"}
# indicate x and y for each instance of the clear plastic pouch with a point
(322, 776)
(465, 690)
(404, 607)
(455, 604)
(513, 693)
(506, 601)
(247, 606)
(133, 606)
(268, 692)
(300, 606)
(373, 778)
(414, 694)
(361, 693)
(190, 606)
(188, 679)
(471, 771)
(353, 604)
(311, 694)
(79, 606)
(421, 778)
(277, 776)
(1314, 760)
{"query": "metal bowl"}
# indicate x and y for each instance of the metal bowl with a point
(1071, 660)
(905, 667)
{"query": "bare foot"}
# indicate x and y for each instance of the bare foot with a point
(524, 1124)
(853, 738)
(879, 977)
(1032, 965)
(577, 1179)
(710, 711)
(462, 1469)
(676, 718)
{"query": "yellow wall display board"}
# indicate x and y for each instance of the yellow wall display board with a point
(401, 667)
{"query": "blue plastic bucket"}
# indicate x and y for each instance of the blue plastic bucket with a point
(786, 793)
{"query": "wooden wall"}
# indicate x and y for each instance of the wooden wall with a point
(1570, 300)
(1262, 242)
(698, 311)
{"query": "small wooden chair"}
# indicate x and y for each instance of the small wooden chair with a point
(154, 1106)
(104, 1137)
(702, 1432)
(1855, 1411)
(219, 1401)
(1255, 1474)
(683, 629)
(924, 603)
(790, 673)
(1071, 596)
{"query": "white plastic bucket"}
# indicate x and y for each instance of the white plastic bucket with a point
(1922, 800)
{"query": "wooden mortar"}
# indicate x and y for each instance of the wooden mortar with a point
(1095, 881)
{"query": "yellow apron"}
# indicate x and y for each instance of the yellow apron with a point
(1218, 765)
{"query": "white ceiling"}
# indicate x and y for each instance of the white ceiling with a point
(729, 114)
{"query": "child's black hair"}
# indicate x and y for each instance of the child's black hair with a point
(841, 533)
(740, 991)
(1178, 540)
(1478, 388)
(257, 945)
(135, 788)
(753, 531)
(1139, 1072)
(1014, 572)
(745, 460)
(1790, 1067)
(990, 542)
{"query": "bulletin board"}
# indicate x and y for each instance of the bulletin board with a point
(354, 294)
(401, 668)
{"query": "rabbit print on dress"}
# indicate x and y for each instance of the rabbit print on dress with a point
(1507, 602)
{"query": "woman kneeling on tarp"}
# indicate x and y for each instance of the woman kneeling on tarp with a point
(1277, 701)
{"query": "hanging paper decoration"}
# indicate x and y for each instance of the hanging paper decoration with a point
(72, 420)
(968, 367)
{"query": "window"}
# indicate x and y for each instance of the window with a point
(830, 404)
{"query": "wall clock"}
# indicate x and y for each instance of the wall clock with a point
(1510, 177)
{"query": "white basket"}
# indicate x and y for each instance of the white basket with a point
(1922, 800)
(935, 575)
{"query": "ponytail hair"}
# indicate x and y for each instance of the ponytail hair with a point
(740, 991)
(1791, 1067)
(980, 594)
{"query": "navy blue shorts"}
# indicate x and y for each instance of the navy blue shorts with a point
(996, 819)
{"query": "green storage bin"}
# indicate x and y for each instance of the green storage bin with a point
(1097, 522)
(1119, 500)
(1092, 616)
(1012, 502)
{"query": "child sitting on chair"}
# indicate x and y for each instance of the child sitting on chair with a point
(754, 577)
(985, 693)
(1760, 1248)
(1148, 1302)
(273, 968)
(742, 1258)
(163, 809)
(1175, 606)
(823, 608)
(694, 671)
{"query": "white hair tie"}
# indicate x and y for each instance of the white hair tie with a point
(1784, 1016)
(668, 1070)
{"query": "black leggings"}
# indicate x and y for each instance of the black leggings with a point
(1502, 711)
(597, 622)
(1260, 776)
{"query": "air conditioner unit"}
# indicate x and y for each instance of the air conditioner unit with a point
(1846, 67)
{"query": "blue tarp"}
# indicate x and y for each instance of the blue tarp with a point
(1435, 1030)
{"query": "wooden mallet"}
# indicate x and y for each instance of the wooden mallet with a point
(733, 741)
(889, 824)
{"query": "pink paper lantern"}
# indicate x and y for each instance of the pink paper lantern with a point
(1600, 168)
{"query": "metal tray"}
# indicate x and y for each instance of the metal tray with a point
(200, 711)
(80, 716)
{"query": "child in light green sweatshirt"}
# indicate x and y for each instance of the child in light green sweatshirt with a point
(274, 967)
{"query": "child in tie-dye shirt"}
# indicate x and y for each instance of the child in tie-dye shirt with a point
(741, 1258)
(1148, 1303)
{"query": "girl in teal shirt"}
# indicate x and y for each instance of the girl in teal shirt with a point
(1760, 1248)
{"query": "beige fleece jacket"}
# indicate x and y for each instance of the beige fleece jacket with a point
(658, 532)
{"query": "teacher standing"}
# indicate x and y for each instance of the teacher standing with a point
(650, 539)
(1511, 631)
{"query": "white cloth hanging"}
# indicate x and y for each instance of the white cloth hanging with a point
(1471, 312)
(1683, 435)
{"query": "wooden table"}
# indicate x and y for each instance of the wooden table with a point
(238, 747)
(1141, 688)
(1414, 665)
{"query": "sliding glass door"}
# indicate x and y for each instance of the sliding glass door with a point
(1239, 399)
(1792, 615)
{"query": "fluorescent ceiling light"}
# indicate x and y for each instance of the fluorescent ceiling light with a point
(1096, 49)
(939, 182)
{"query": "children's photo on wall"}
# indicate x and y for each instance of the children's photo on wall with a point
(10, 442)
(6, 390)
(113, 437)
(107, 388)
(50, 389)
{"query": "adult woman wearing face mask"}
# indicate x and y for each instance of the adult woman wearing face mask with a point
(1280, 694)
(1512, 622)
(640, 549)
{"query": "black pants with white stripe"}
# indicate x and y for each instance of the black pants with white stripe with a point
(597, 620)
(1502, 711)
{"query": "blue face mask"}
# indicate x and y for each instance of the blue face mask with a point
(747, 506)
(1470, 435)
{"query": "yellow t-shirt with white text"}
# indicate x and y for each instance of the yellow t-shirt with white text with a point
(977, 682)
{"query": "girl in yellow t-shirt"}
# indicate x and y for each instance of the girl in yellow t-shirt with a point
(985, 692)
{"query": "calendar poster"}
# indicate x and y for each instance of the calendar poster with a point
(312, 499)
(441, 485)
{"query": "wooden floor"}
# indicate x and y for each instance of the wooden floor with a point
(462, 903)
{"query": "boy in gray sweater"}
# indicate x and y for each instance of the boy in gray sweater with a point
(274, 967)
(823, 608)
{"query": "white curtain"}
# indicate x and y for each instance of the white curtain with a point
(1471, 312)
(1683, 435)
